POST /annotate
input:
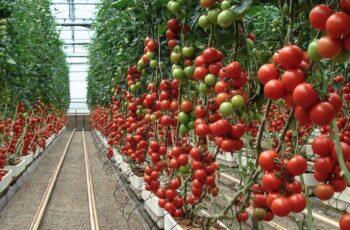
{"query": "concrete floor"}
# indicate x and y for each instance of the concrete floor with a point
(68, 206)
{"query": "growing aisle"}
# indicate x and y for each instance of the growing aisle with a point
(68, 206)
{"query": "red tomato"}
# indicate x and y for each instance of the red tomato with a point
(346, 43)
(339, 184)
(302, 115)
(291, 78)
(345, 148)
(271, 197)
(344, 221)
(324, 165)
(324, 191)
(322, 113)
(274, 90)
(281, 207)
(338, 25)
(202, 130)
(267, 72)
(266, 160)
(186, 106)
(322, 145)
(210, 54)
(336, 101)
(200, 73)
(233, 70)
(297, 202)
(290, 56)
(319, 15)
(305, 96)
(294, 187)
(270, 182)
(242, 217)
(297, 165)
(329, 47)
(221, 98)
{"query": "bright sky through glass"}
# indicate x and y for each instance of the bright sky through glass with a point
(71, 17)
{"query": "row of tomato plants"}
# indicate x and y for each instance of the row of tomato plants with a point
(34, 89)
(209, 97)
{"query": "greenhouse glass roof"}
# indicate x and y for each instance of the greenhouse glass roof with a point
(74, 18)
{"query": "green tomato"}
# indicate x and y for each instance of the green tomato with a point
(285, 9)
(237, 101)
(259, 214)
(250, 43)
(185, 169)
(138, 112)
(138, 85)
(133, 88)
(154, 64)
(183, 129)
(303, 5)
(226, 109)
(183, 118)
(203, 88)
(174, 7)
(181, 14)
(150, 55)
(226, 18)
(190, 124)
(188, 51)
(189, 71)
(342, 57)
(153, 117)
(225, 5)
(210, 80)
(141, 63)
(204, 22)
(213, 15)
(161, 64)
(175, 57)
(313, 52)
(193, 114)
(178, 73)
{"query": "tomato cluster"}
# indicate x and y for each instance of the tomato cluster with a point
(336, 44)
(279, 192)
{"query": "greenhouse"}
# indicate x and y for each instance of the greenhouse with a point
(174, 114)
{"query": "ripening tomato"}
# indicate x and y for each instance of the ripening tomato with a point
(290, 56)
(281, 207)
(319, 15)
(297, 202)
(329, 47)
(266, 160)
(297, 165)
(322, 113)
(291, 78)
(324, 191)
(274, 90)
(186, 106)
(338, 25)
(267, 72)
(221, 98)
(344, 221)
(322, 145)
(305, 96)
(271, 182)
(207, 3)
